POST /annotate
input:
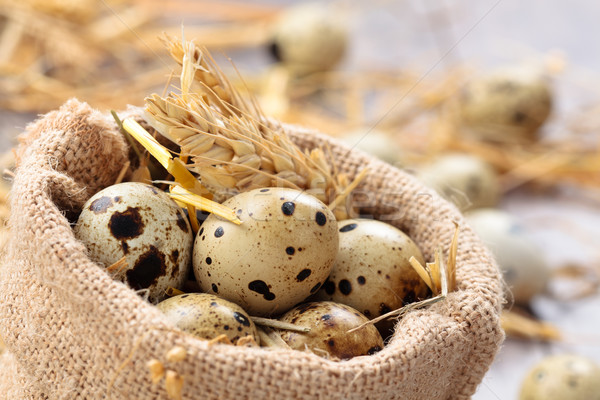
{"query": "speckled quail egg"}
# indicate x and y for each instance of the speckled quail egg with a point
(138, 221)
(521, 261)
(329, 323)
(208, 316)
(372, 272)
(562, 377)
(280, 254)
(507, 105)
(465, 180)
(376, 143)
(309, 37)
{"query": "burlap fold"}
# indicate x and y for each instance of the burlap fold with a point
(73, 332)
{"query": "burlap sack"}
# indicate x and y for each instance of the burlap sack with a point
(73, 332)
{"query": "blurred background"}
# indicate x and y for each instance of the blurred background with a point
(494, 103)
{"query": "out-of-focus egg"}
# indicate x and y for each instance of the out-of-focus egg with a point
(465, 180)
(309, 37)
(507, 105)
(562, 377)
(376, 143)
(524, 269)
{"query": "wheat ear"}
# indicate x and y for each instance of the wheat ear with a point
(229, 142)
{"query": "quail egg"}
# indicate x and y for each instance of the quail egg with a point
(309, 38)
(465, 180)
(138, 221)
(376, 143)
(281, 253)
(372, 272)
(561, 377)
(523, 267)
(329, 323)
(508, 105)
(208, 316)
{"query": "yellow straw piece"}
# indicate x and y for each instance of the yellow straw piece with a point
(435, 269)
(452, 259)
(183, 195)
(422, 272)
(171, 291)
(193, 218)
(193, 196)
(174, 165)
(141, 135)
(342, 196)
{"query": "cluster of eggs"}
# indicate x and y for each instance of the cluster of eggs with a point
(288, 259)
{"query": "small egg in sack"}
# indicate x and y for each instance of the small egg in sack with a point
(280, 254)
(464, 179)
(508, 105)
(523, 267)
(138, 221)
(372, 272)
(208, 316)
(562, 377)
(329, 324)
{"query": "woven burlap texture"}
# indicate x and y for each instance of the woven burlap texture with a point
(73, 332)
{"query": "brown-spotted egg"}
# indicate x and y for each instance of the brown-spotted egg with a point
(464, 179)
(208, 316)
(309, 37)
(329, 324)
(507, 105)
(562, 377)
(372, 272)
(280, 254)
(141, 223)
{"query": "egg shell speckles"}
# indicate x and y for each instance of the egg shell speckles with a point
(560, 377)
(372, 272)
(329, 323)
(208, 316)
(139, 222)
(280, 254)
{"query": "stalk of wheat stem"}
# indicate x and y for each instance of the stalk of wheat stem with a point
(229, 143)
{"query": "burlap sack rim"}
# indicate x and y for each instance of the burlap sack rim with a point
(74, 253)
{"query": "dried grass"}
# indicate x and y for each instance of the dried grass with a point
(519, 326)
(105, 52)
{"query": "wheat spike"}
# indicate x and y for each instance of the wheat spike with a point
(229, 143)
(200, 74)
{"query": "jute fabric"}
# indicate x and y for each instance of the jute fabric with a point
(73, 332)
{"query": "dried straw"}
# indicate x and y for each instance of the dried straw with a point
(106, 52)
(517, 325)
